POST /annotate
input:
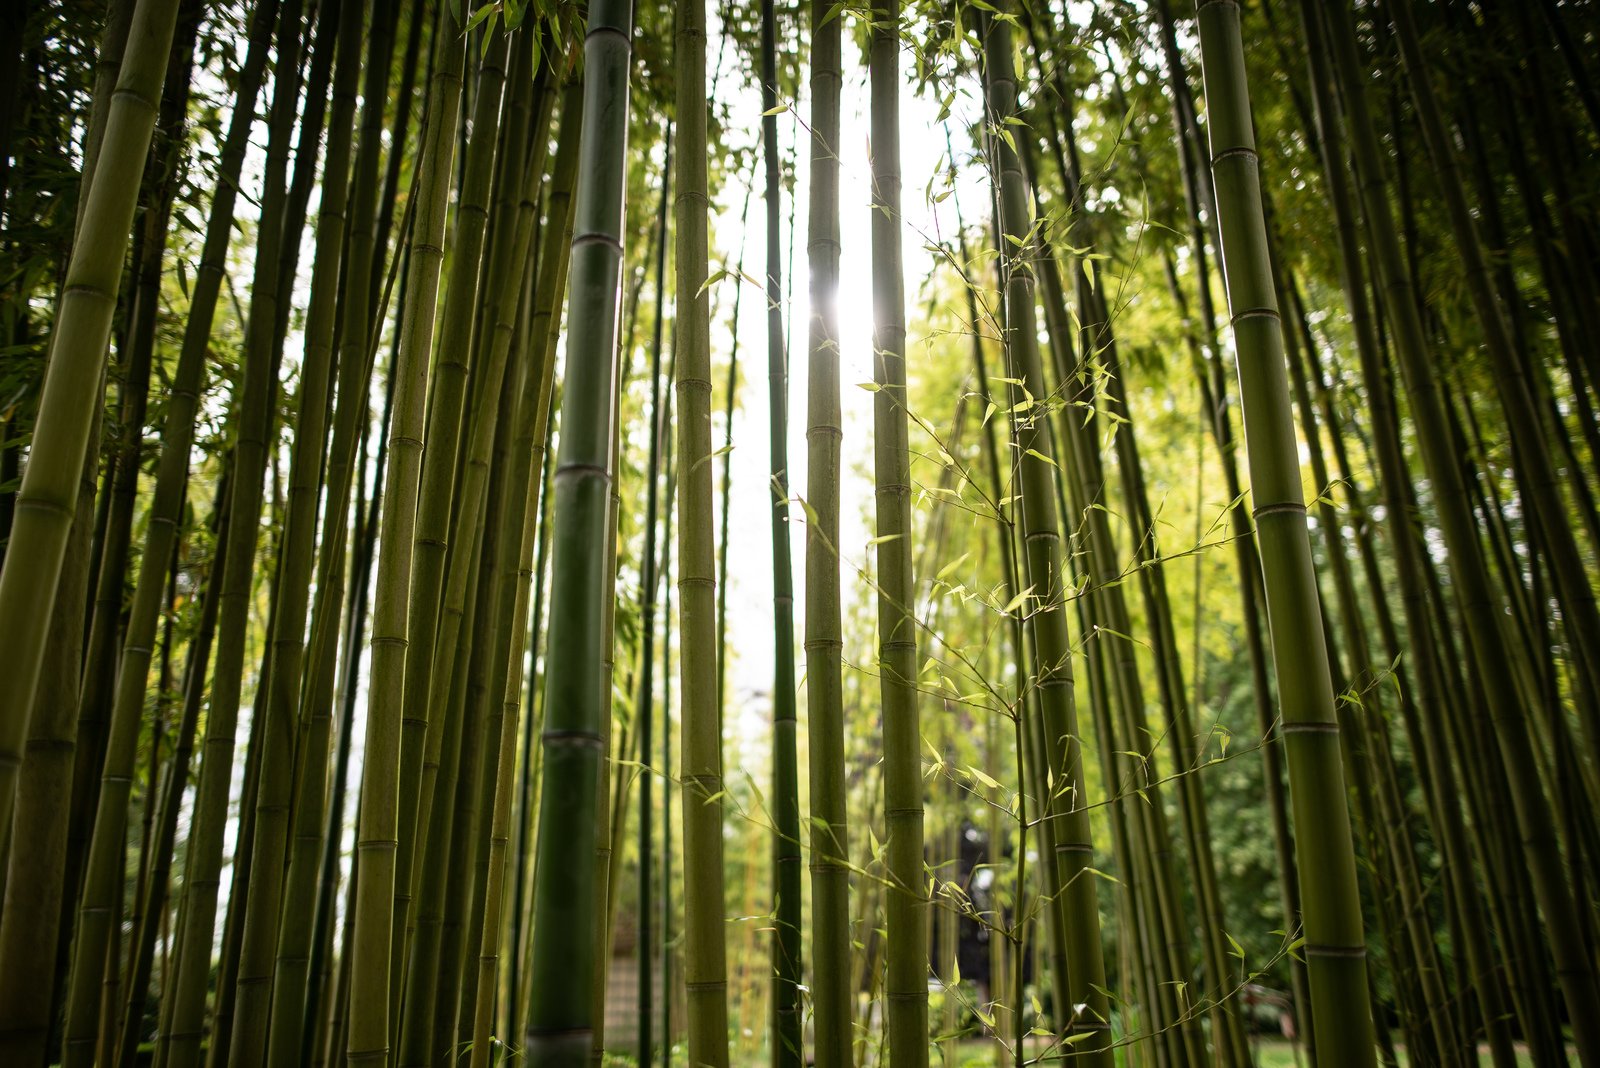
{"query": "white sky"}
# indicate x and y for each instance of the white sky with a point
(923, 154)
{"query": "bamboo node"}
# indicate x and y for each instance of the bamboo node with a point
(595, 237)
(1315, 950)
(1310, 727)
(572, 738)
(1237, 152)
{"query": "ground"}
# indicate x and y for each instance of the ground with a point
(1274, 1053)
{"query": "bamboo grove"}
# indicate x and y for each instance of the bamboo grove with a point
(1148, 617)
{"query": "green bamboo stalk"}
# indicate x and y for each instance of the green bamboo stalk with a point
(316, 72)
(560, 1025)
(158, 876)
(36, 858)
(231, 918)
(506, 598)
(377, 838)
(1049, 903)
(644, 706)
(1234, 1048)
(705, 954)
(292, 958)
(830, 839)
(405, 93)
(447, 394)
(45, 854)
(1391, 819)
(787, 964)
(162, 174)
(428, 1028)
(605, 809)
(906, 983)
(463, 917)
(1531, 808)
(1101, 345)
(1004, 989)
(70, 399)
(668, 992)
(1145, 842)
(134, 357)
(1069, 874)
(433, 923)
(1215, 405)
(1149, 841)
(180, 1041)
(1006, 531)
(258, 953)
(528, 461)
(1537, 475)
(1335, 948)
(545, 322)
(493, 686)
(528, 780)
(522, 932)
(1430, 693)
(338, 1025)
(482, 471)
(730, 400)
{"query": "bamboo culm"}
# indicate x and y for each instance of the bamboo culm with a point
(1335, 947)
(906, 981)
(372, 965)
(70, 400)
(787, 1041)
(1068, 874)
(829, 831)
(560, 1025)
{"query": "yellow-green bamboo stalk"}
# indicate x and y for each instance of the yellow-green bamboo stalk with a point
(445, 446)
(1335, 947)
(705, 954)
(252, 1005)
(560, 1023)
(252, 419)
(292, 964)
(831, 984)
(377, 836)
(1070, 875)
(906, 983)
(70, 399)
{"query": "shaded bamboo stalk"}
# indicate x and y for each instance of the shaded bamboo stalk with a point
(372, 964)
(46, 502)
(1068, 872)
(907, 905)
(829, 832)
(1335, 948)
(560, 1025)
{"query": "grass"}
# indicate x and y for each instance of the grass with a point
(1270, 1053)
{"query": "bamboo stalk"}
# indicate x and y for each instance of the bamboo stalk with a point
(1335, 947)
(560, 1023)
(829, 833)
(907, 904)
(372, 964)
(46, 502)
(705, 956)
(1069, 874)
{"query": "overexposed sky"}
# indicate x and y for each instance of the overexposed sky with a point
(923, 154)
